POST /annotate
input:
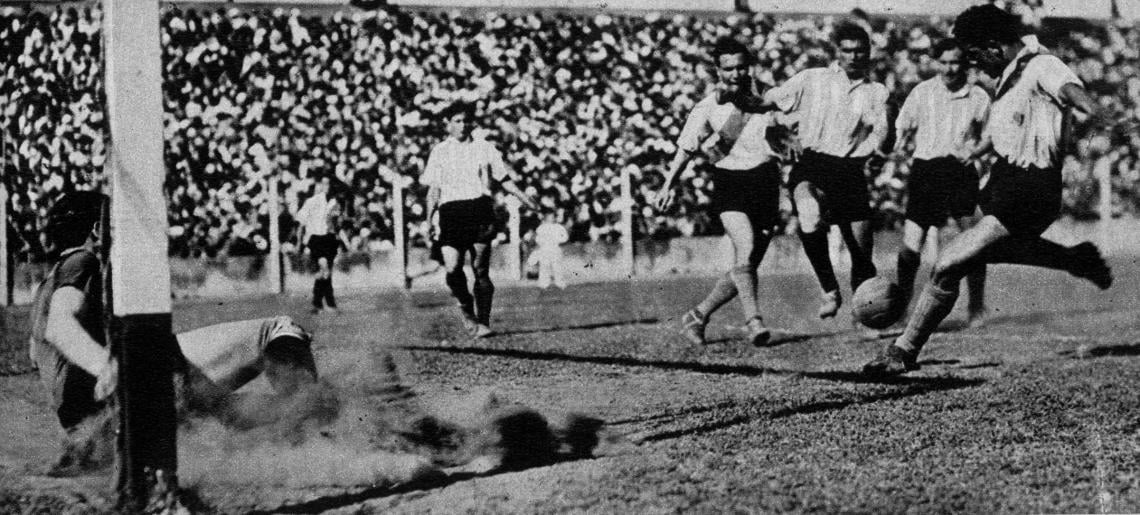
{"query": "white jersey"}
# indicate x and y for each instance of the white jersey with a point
(734, 140)
(550, 236)
(463, 170)
(832, 111)
(1026, 119)
(943, 120)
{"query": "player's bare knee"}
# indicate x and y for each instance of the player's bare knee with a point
(810, 221)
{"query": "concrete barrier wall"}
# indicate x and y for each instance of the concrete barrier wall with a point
(243, 276)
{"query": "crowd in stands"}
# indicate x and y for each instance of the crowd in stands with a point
(572, 99)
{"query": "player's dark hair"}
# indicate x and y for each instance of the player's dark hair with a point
(982, 25)
(848, 31)
(727, 45)
(946, 45)
(987, 59)
(71, 218)
(457, 108)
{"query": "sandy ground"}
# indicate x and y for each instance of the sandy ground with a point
(1035, 411)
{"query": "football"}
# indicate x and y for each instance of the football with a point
(877, 303)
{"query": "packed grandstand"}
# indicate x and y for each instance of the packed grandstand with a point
(572, 98)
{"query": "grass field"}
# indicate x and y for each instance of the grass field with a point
(1034, 411)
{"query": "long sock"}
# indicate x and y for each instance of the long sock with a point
(457, 283)
(744, 277)
(862, 268)
(484, 295)
(933, 306)
(723, 291)
(976, 286)
(1032, 251)
(908, 263)
(317, 293)
(815, 246)
(862, 265)
(330, 297)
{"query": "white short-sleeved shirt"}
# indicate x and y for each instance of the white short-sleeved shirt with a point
(550, 235)
(318, 215)
(943, 120)
(1026, 118)
(734, 140)
(463, 170)
(830, 110)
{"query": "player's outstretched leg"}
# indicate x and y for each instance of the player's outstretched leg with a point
(813, 236)
(1082, 260)
(937, 299)
(484, 289)
(694, 321)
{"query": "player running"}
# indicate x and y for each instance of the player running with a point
(941, 116)
(746, 184)
(76, 367)
(459, 173)
(842, 120)
(1023, 195)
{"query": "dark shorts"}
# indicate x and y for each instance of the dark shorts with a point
(754, 192)
(841, 182)
(1025, 200)
(940, 188)
(323, 246)
(463, 223)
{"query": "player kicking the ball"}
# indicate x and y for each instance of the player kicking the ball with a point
(1023, 195)
(746, 184)
(76, 367)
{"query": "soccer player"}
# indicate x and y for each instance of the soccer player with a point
(1023, 195)
(460, 173)
(941, 115)
(318, 219)
(746, 184)
(68, 347)
(842, 120)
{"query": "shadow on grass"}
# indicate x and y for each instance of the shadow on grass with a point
(438, 480)
(704, 368)
(778, 338)
(595, 325)
(852, 376)
(1125, 350)
(1042, 317)
(756, 411)
(333, 502)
